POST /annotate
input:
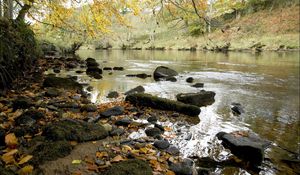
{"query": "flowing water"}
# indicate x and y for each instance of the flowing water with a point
(266, 84)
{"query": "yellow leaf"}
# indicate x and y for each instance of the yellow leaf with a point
(118, 158)
(100, 155)
(8, 157)
(26, 170)
(170, 172)
(76, 161)
(11, 140)
(25, 159)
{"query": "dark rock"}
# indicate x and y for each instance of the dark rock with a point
(92, 64)
(91, 70)
(173, 150)
(159, 127)
(2, 137)
(161, 144)
(175, 115)
(25, 120)
(79, 71)
(117, 110)
(247, 147)
(163, 72)
(74, 130)
(117, 132)
(48, 151)
(172, 79)
(237, 108)
(89, 88)
(188, 136)
(143, 75)
(152, 119)
(123, 122)
(90, 59)
(58, 82)
(202, 98)
(22, 103)
(52, 92)
(138, 89)
(163, 104)
(96, 76)
(198, 85)
(182, 168)
(118, 68)
(107, 68)
(129, 167)
(190, 80)
(113, 94)
(89, 108)
(56, 70)
(71, 65)
(153, 132)
(67, 105)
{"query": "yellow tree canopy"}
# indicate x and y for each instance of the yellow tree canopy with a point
(85, 17)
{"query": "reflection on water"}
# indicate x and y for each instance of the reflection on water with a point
(267, 85)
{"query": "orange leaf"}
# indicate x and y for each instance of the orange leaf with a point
(170, 172)
(118, 158)
(25, 159)
(100, 155)
(11, 140)
(26, 170)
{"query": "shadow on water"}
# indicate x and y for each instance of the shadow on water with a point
(266, 84)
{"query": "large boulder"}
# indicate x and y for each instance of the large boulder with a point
(148, 100)
(202, 98)
(245, 146)
(65, 83)
(131, 166)
(163, 72)
(74, 130)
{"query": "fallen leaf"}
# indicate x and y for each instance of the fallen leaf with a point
(126, 148)
(118, 158)
(100, 155)
(92, 167)
(26, 170)
(170, 172)
(11, 140)
(8, 157)
(76, 161)
(25, 159)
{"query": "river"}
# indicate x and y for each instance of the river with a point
(266, 84)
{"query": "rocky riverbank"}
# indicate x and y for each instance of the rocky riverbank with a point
(49, 126)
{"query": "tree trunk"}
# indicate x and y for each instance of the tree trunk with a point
(0, 8)
(8, 9)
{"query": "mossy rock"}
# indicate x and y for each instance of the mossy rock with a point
(162, 103)
(74, 130)
(58, 82)
(49, 151)
(129, 167)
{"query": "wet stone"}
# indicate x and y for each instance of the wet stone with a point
(22, 103)
(138, 89)
(153, 132)
(52, 92)
(2, 136)
(190, 80)
(113, 94)
(152, 119)
(89, 108)
(161, 144)
(198, 85)
(159, 127)
(117, 132)
(123, 122)
(25, 120)
(181, 168)
(237, 108)
(117, 110)
(173, 150)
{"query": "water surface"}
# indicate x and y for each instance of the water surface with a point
(267, 85)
